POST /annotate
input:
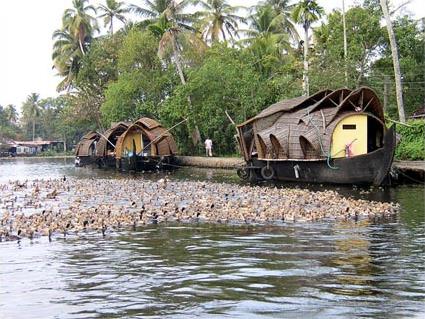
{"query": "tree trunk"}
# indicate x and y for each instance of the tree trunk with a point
(306, 86)
(396, 63)
(195, 135)
(178, 62)
(33, 129)
(345, 44)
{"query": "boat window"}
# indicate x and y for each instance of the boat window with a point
(349, 126)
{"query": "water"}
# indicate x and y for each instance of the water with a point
(305, 270)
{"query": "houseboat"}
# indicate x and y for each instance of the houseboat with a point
(145, 145)
(142, 145)
(85, 152)
(333, 136)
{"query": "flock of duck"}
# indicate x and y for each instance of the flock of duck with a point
(63, 207)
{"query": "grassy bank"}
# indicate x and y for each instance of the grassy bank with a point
(412, 143)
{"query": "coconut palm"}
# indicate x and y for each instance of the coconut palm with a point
(11, 113)
(283, 19)
(31, 110)
(174, 29)
(218, 18)
(112, 10)
(396, 62)
(305, 13)
(79, 23)
(151, 10)
(265, 38)
(66, 57)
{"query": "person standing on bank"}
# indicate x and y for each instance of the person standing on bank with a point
(208, 147)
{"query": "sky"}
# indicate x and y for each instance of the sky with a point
(26, 28)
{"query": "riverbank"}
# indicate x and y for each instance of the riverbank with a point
(405, 171)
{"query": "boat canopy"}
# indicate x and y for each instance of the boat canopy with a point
(303, 127)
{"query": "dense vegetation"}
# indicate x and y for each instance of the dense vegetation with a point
(198, 59)
(412, 143)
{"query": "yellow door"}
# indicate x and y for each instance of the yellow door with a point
(350, 137)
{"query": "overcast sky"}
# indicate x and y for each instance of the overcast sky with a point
(26, 28)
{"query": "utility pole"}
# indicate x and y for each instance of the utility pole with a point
(345, 43)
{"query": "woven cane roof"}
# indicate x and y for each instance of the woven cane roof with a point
(302, 127)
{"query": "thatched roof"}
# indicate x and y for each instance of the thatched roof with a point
(289, 105)
(302, 127)
(83, 147)
(160, 138)
(109, 137)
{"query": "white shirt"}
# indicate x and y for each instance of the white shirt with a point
(208, 143)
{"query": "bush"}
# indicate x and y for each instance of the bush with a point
(412, 143)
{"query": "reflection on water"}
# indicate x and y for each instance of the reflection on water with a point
(312, 270)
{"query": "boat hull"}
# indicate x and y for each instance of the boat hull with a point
(144, 163)
(371, 168)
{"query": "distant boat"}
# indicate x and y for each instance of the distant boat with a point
(142, 145)
(85, 152)
(329, 137)
(146, 144)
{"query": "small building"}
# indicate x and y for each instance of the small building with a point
(29, 148)
(7, 148)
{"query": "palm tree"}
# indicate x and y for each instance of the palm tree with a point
(218, 18)
(283, 17)
(305, 13)
(174, 28)
(79, 23)
(151, 10)
(112, 10)
(266, 39)
(11, 114)
(396, 63)
(66, 57)
(72, 40)
(31, 110)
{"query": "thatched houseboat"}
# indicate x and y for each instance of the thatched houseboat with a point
(85, 152)
(143, 145)
(330, 137)
(146, 144)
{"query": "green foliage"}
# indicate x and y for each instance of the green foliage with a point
(412, 143)
(8, 123)
(119, 77)
(411, 49)
(364, 38)
(226, 81)
(143, 82)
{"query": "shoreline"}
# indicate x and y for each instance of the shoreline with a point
(413, 171)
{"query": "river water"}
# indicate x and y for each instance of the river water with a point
(295, 270)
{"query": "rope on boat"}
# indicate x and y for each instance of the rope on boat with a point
(159, 136)
(106, 139)
(328, 154)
